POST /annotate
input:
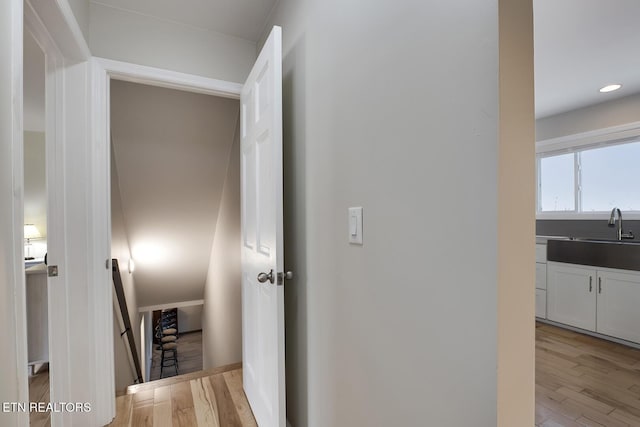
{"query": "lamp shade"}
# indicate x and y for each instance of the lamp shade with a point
(31, 232)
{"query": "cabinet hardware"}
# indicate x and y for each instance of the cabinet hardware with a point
(599, 285)
(590, 283)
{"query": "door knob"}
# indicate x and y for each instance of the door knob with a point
(284, 276)
(263, 277)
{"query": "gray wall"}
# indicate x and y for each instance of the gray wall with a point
(221, 315)
(608, 114)
(393, 106)
(190, 318)
(141, 39)
(80, 10)
(35, 188)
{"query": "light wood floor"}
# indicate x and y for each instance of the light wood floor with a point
(206, 398)
(189, 356)
(585, 381)
(39, 392)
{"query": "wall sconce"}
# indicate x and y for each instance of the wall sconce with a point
(30, 232)
(132, 266)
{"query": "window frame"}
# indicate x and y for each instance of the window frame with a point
(575, 144)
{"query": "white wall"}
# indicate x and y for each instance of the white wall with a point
(221, 315)
(190, 318)
(148, 344)
(607, 114)
(80, 10)
(171, 149)
(145, 40)
(13, 386)
(35, 190)
(120, 250)
(394, 106)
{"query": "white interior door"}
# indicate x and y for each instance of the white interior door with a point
(262, 236)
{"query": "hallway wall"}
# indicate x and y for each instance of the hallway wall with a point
(154, 42)
(221, 315)
(398, 107)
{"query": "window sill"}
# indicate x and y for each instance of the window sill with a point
(596, 216)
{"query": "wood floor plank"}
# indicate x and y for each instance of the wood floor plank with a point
(234, 384)
(162, 416)
(135, 388)
(162, 394)
(203, 402)
(124, 405)
(142, 416)
(214, 402)
(183, 413)
(208, 400)
(585, 381)
(144, 398)
(226, 408)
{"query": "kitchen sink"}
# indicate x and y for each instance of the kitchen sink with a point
(624, 254)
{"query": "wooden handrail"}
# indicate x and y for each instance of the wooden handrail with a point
(122, 302)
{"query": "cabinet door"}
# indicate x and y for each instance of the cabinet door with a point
(541, 303)
(619, 304)
(541, 276)
(571, 295)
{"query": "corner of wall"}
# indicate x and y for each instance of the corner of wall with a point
(221, 313)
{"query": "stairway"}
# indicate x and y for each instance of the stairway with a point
(212, 397)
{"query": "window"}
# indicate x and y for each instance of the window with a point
(590, 180)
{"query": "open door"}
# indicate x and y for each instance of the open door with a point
(262, 236)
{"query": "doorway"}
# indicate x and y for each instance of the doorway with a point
(175, 217)
(35, 226)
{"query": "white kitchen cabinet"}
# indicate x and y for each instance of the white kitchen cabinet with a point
(37, 314)
(541, 280)
(571, 295)
(541, 276)
(619, 304)
(541, 303)
(541, 252)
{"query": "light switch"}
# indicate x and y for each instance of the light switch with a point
(355, 226)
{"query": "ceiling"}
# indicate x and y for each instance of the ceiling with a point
(239, 18)
(581, 46)
(171, 152)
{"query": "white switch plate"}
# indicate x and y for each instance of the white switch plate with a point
(355, 225)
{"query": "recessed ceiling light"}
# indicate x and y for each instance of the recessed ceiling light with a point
(610, 88)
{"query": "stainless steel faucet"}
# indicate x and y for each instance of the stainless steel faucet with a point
(617, 214)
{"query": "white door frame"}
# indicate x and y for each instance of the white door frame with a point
(77, 240)
(103, 70)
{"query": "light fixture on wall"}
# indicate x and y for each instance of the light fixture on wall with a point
(132, 265)
(30, 232)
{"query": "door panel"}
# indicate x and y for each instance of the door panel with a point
(262, 236)
(618, 305)
(571, 295)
